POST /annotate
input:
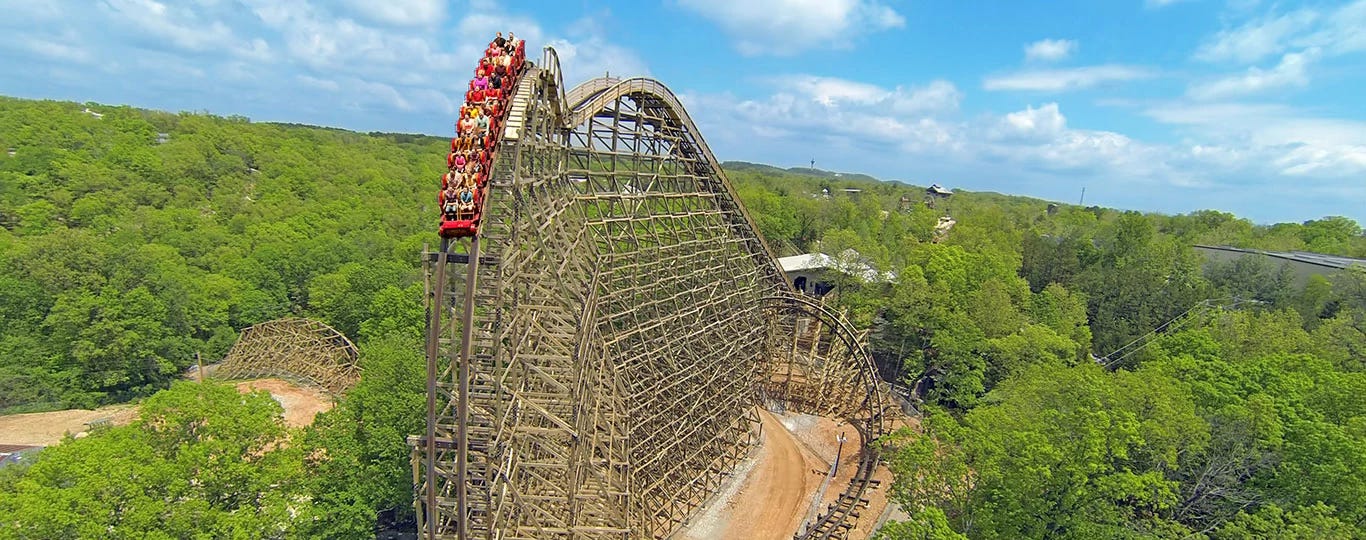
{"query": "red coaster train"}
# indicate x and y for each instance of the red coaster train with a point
(464, 187)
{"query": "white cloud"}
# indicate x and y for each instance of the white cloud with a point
(1050, 50)
(840, 112)
(938, 96)
(1257, 39)
(1302, 38)
(1273, 137)
(1341, 31)
(1039, 139)
(21, 10)
(821, 116)
(587, 54)
(400, 12)
(1288, 73)
(1053, 80)
(178, 26)
(1335, 32)
(322, 84)
(1045, 122)
(66, 48)
(785, 27)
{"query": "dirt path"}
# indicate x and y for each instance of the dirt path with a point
(47, 428)
(769, 494)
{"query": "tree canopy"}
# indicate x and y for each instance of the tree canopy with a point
(131, 242)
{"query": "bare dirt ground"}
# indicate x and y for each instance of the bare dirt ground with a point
(771, 492)
(819, 435)
(301, 403)
(46, 429)
(768, 494)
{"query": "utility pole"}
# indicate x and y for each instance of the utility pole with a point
(1083, 196)
(839, 449)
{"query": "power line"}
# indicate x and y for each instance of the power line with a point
(1174, 323)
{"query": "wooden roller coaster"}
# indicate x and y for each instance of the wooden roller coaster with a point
(301, 349)
(596, 352)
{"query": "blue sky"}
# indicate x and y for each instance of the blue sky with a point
(1246, 106)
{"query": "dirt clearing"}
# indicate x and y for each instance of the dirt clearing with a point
(301, 403)
(47, 428)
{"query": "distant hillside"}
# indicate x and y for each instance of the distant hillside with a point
(913, 192)
(805, 171)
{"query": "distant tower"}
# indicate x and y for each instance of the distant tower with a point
(813, 165)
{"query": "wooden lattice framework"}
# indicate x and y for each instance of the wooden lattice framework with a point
(597, 353)
(301, 349)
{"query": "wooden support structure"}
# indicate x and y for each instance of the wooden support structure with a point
(301, 349)
(596, 354)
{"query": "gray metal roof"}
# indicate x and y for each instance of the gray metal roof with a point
(1319, 259)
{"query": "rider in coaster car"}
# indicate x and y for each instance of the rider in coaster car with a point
(448, 195)
(499, 41)
(481, 123)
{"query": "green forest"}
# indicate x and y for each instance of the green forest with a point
(1243, 420)
(132, 241)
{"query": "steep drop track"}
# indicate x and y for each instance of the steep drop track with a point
(596, 352)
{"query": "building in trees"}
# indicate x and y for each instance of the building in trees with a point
(1300, 264)
(935, 194)
(818, 274)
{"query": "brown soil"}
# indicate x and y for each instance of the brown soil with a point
(819, 436)
(47, 428)
(301, 403)
(767, 495)
(770, 494)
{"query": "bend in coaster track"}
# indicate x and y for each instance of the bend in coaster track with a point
(598, 343)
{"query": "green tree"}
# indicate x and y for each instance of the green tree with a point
(1315, 522)
(202, 461)
(358, 452)
(1057, 452)
(929, 524)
